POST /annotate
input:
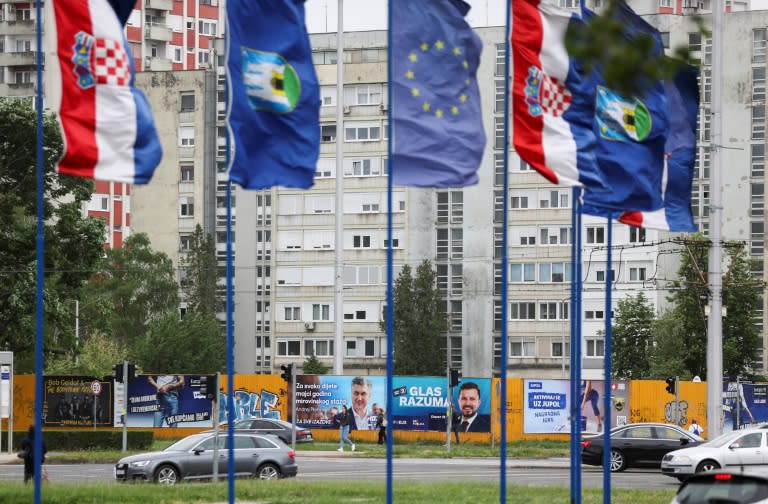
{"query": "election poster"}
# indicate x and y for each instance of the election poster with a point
(547, 404)
(319, 398)
(419, 403)
(168, 401)
(70, 401)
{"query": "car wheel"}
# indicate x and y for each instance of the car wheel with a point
(707, 465)
(268, 472)
(167, 475)
(618, 461)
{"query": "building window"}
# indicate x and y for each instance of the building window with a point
(522, 348)
(184, 243)
(757, 202)
(501, 55)
(553, 199)
(328, 132)
(522, 272)
(758, 122)
(207, 27)
(362, 168)
(594, 315)
(370, 347)
(187, 102)
(519, 202)
(600, 275)
(292, 313)
(758, 45)
(187, 173)
(186, 136)
(498, 123)
(361, 133)
(553, 310)
(522, 310)
(555, 236)
(321, 311)
(636, 274)
(450, 207)
(286, 348)
(595, 235)
(758, 83)
(351, 348)
(554, 272)
(636, 235)
(361, 241)
(363, 94)
(595, 347)
(557, 349)
(757, 160)
(318, 347)
(187, 206)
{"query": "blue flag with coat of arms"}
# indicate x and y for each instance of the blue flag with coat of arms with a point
(273, 106)
(631, 134)
(437, 126)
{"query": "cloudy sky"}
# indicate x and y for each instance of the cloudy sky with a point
(372, 14)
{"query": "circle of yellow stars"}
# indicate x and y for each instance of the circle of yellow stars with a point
(427, 107)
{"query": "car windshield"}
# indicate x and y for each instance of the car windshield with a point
(185, 444)
(723, 439)
(724, 489)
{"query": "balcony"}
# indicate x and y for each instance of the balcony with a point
(157, 64)
(17, 90)
(158, 32)
(26, 27)
(18, 58)
(165, 5)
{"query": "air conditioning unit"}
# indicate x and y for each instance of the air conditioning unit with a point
(383, 107)
(347, 109)
(309, 326)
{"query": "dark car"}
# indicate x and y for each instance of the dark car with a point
(719, 486)
(637, 445)
(191, 458)
(279, 428)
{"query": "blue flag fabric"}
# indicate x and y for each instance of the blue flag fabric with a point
(273, 106)
(631, 134)
(437, 126)
(683, 96)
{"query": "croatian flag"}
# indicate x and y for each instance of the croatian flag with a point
(553, 104)
(107, 124)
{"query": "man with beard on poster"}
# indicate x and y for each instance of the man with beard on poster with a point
(469, 403)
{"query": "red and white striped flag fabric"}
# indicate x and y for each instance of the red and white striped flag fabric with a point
(107, 124)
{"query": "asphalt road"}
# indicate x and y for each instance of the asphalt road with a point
(535, 473)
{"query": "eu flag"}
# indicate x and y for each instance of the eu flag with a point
(437, 126)
(273, 106)
(631, 132)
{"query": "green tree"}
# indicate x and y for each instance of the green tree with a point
(667, 357)
(632, 337)
(419, 322)
(134, 287)
(95, 357)
(193, 344)
(312, 365)
(741, 292)
(73, 243)
(200, 274)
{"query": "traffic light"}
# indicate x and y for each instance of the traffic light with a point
(287, 372)
(671, 385)
(455, 377)
(117, 372)
(131, 371)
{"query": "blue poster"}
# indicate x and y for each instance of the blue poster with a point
(545, 406)
(744, 404)
(167, 401)
(320, 397)
(419, 403)
(472, 405)
(249, 404)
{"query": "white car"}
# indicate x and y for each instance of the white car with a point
(723, 487)
(745, 449)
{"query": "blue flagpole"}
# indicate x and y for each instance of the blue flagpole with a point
(608, 349)
(504, 278)
(390, 293)
(230, 326)
(40, 250)
(575, 385)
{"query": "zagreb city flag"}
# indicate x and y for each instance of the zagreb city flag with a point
(273, 106)
(107, 124)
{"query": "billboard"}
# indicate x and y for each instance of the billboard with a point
(546, 405)
(168, 401)
(418, 403)
(744, 404)
(70, 401)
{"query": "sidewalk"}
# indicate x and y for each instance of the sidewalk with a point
(511, 461)
(9, 458)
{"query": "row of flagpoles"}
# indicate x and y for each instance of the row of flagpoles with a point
(626, 156)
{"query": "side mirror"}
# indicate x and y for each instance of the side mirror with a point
(198, 451)
(684, 441)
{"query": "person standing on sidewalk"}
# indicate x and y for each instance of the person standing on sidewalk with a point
(342, 418)
(28, 449)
